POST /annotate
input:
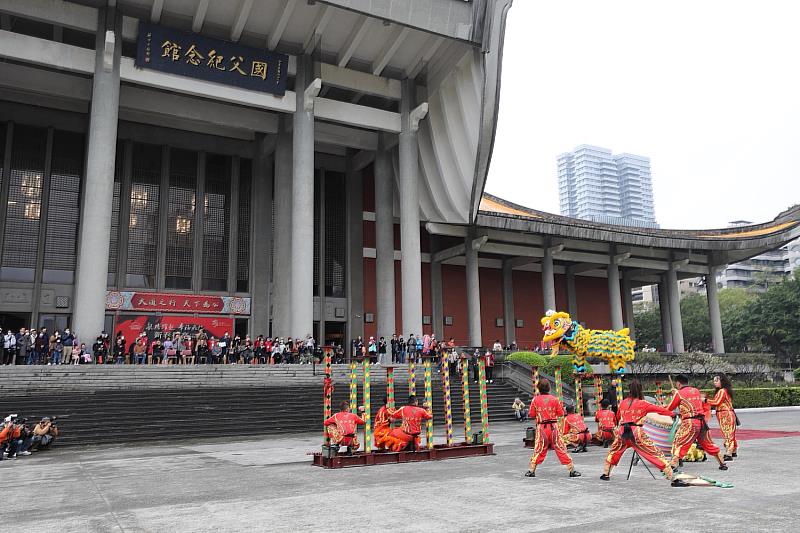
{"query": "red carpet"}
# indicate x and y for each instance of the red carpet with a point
(752, 434)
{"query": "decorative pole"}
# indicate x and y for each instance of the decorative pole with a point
(390, 387)
(412, 377)
(559, 390)
(536, 381)
(659, 393)
(448, 406)
(598, 391)
(367, 410)
(484, 400)
(353, 386)
(328, 389)
(579, 393)
(465, 393)
(429, 403)
(619, 390)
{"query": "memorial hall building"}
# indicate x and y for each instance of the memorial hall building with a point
(295, 167)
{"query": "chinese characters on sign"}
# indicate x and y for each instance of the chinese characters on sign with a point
(177, 303)
(189, 54)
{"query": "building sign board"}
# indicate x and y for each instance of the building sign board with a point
(206, 58)
(176, 303)
(163, 327)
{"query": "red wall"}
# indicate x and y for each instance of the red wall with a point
(528, 306)
(454, 298)
(491, 282)
(593, 307)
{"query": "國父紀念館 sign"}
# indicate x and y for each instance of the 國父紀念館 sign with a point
(205, 58)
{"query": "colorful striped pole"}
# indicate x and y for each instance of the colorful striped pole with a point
(429, 403)
(579, 393)
(448, 406)
(619, 390)
(328, 388)
(484, 400)
(536, 381)
(598, 391)
(367, 409)
(465, 393)
(659, 393)
(412, 377)
(390, 387)
(559, 389)
(353, 387)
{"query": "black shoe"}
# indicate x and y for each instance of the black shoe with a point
(530, 474)
(605, 477)
(704, 459)
(606, 444)
(574, 473)
(679, 483)
(680, 462)
(723, 467)
(734, 454)
(727, 458)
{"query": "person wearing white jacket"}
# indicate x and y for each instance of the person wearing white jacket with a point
(9, 347)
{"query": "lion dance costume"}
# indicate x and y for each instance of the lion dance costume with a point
(383, 428)
(614, 347)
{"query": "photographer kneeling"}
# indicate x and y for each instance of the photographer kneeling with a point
(44, 433)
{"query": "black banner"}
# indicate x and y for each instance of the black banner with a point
(196, 56)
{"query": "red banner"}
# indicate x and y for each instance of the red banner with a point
(148, 301)
(167, 326)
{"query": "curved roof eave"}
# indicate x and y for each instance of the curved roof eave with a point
(490, 100)
(505, 215)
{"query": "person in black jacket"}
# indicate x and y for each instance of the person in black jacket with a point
(611, 395)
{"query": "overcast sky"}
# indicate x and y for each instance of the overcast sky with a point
(708, 90)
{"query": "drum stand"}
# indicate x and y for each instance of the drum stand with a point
(636, 458)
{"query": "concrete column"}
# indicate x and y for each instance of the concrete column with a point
(627, 303)
(411, 263)
(509, 319)
(572, 296)
(674, 295)
(355, 249)
(663, 307)
(614, 297)
(282, 260)
(473, 295)
(384, 241)
(713, 311)
(262, 234)
(95, 227)
(548, 281)
(301, 285)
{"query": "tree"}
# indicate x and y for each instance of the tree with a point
(647, 321)
(696, 326)
(733, 308)
(773, 319)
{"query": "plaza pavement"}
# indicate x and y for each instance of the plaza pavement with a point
(268, 485)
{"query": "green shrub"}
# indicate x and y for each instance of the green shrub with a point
(528, 358)
(548, 364)
(752, 397)
(797, 373)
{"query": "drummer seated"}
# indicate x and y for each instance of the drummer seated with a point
(606, 423)
(575, 431)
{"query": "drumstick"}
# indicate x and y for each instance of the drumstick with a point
(671, 384)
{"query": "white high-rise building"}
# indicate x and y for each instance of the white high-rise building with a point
(596, 185)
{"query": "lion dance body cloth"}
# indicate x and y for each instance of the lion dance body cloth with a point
(614, 347)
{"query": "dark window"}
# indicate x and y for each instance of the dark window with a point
(243, 237)
(21, 239)
(216, 220)
(335, 234)
(78, 38)
(180, 218)
(63, 208)
(113, 248)
(143, 223)
(33, 28)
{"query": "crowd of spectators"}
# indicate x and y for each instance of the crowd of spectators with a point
(20, 439)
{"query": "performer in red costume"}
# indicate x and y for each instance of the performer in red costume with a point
(693, 425)
(546, 409)
(723, 403)
(575, 431)
(342, 427)
(606, 423)
(406, 437)
(630, 413)
(383, 426)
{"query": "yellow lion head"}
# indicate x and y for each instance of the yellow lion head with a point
(555, 325)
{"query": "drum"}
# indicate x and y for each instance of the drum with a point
(660, 430)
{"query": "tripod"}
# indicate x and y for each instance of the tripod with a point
(636, 458)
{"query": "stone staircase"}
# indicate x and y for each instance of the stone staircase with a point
(98, 405)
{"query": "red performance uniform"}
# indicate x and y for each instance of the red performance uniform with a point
(342, 429)
(546, 409)
(382, 427)
(630, 413)
(693, 425)
(575, 431)
(606, 424)
(409, 430)
(726, 418)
